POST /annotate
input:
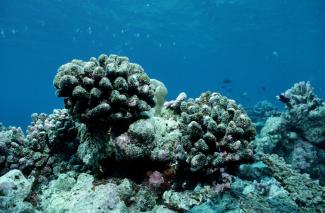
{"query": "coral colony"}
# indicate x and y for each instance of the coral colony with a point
(118, 146)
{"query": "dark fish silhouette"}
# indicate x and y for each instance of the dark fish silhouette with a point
(263, 88)
(226, 81)
(283, 98)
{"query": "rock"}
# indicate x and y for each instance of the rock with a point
(142, 130)
(307, 194)
(253, 171)
(14, 189)
(182, 200)
(145, 199)
(95, 146)
(225, 203)
(162, 209)
(126, 189)
(68, 195)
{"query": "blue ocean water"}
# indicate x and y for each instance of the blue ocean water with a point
(261, 47)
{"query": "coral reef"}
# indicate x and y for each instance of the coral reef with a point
(52, 141)
(308, 194)
(305, 113)
(48, 149)
(107, 95)
(118, 146)
(298, 134)
(13, 148)
(95, 146)
(215, 134)
(260, 112)
(57, 131)
(105, 92)
(262, 195)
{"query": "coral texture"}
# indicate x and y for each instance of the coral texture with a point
(305, 113)
(48, 149)
(14, 189)
(13, 149)
(216, 133)
(119, 147)
(298, 135)
(105, 91)
(78, 194)
(308, 194)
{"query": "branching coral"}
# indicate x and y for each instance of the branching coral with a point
(56, 133)
(52, 141)
(13, 150)
(49, 147)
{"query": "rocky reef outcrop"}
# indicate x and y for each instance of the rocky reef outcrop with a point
(298, 133)
(306, 193)
(14, 190)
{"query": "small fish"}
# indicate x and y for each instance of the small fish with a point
(2, 32)
(263, 88)
(226, 81)
(229, 90)
(275, 53)
(244, 95)
(89, 30)
(283, 98)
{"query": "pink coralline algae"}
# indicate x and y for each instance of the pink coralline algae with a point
(156, 179)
